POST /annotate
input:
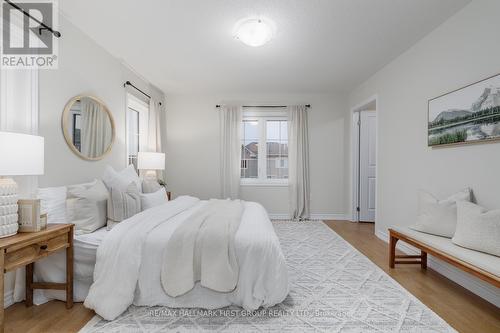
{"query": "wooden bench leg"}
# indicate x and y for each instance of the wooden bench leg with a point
(392, 251)
(423, 259)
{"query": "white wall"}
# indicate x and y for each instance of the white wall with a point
(461, 51)
(192, 147)
(84, 68)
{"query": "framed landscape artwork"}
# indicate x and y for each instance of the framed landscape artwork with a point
(467, 115)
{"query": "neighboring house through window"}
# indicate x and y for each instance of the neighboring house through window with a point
(264, 147)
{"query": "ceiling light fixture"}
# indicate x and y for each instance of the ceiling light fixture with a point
(254, 31)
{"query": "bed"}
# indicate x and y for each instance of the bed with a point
(262, 280)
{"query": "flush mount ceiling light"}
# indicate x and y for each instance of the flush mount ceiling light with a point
(254, 31)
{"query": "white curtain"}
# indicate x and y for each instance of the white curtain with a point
(231, 117)
(96, 132)
(154, 130)
(298, 166)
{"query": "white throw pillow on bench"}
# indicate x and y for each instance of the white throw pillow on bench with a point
(477, 228)
(439, 217)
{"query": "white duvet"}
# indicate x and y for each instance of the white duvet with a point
(129, 262)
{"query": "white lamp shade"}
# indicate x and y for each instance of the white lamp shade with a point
(151, 161)
(21, 154)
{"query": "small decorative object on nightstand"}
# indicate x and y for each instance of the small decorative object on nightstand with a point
(163, 184)
(21, 154)
(30, 219)
(25, 249)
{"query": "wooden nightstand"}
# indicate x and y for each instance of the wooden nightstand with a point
(25, 248)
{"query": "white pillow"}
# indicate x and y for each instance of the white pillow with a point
(123, 204)
(86, 206)
(53, 202)
(121, 180)
(439, 217)
(70, 188)
(150, 200)
(150, 186)
(477, 228)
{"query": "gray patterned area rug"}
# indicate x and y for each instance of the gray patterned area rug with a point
(333, 288)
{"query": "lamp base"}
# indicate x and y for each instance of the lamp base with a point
(8, 207)
(150, 175)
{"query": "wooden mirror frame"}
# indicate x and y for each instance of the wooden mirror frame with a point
(67, 136)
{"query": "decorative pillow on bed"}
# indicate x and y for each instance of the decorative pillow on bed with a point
(86, 206)
(53, 202)
(123, 204)
(439, 217)
(477, 228)
(149, 200)
(121, 180)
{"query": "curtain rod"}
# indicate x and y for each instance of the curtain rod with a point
(128, 83)
(266, 106)
(43, 26)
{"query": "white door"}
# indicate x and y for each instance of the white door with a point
(367, 165)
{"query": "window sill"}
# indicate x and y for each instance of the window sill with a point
(260, 183)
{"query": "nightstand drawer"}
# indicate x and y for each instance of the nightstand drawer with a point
(30, 253)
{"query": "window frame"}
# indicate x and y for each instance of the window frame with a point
(142, 107)
(262, 116)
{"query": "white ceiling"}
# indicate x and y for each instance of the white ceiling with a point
(320, 46)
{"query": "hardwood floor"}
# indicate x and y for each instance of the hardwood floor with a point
(463, 310)
(49, 317)
(459, 307)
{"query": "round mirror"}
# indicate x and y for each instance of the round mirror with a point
(88, 127)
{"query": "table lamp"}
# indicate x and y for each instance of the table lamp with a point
(150, 162)
(20, 155)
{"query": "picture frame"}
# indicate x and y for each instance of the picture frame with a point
(470, 114)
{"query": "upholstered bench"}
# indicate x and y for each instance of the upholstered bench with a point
(482, 265)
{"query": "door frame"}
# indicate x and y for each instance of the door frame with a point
(371, 103)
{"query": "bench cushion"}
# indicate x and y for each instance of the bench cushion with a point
(484, 261)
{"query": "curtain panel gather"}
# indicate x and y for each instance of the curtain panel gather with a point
(230, 123)
(298, 162)
(154, 131)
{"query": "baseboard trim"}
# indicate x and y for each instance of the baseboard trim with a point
(8, 298)
(476, 286)
(342, 217)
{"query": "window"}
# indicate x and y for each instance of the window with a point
(264, 148)
(133, 136)
(277, 149)
(137, 113)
